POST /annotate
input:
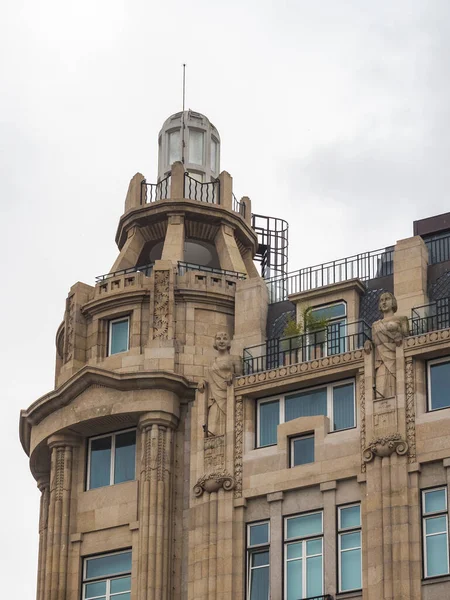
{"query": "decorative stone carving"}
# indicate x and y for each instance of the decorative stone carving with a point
(238, 439)
(362, 410)
(214, 447)
(387, 333)
(69, 329)
(385, 446)
(213, 482)
(410, 409)
(220, 375)
(161, 316)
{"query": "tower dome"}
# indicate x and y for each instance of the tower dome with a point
(191, 138)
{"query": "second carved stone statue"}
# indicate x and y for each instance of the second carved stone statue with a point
(387, 333)
(220, 376)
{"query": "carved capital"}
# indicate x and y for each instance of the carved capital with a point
(385, 446)
(213, 482)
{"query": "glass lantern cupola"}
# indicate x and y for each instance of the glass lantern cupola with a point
(201, 146)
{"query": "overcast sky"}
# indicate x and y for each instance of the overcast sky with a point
(333, 114)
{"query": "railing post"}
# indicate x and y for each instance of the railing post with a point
(226, 190)
(177, 181)
(247, 204)
(133, 199)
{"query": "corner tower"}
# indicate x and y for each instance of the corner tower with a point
(141, 491)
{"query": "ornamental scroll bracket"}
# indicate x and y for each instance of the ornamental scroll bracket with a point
(213, 482)
(385, 446)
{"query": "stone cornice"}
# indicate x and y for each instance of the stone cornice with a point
(191, 209)
(94, 376)
(113, 300)
(421, 344)
(206, 297)
(288, 375)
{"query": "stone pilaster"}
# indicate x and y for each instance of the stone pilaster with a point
(155, 505)
(44, 487)
(57, 537)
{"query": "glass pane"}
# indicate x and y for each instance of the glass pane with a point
(435, 501)
(437, 555)
(314, 547)
(214, 155)
(100, 465)
(259, 584)
(303, 451)
(307, 404)
(329, 312)
(123, 584)
(259, 534)
(108, 565)
(269, 419)
(119, 337)
(440, 384)
(196, 146)
(314, 577)
(124, 596)
(436, 525)
(351, 540)
(344, 406)
(174, 146)
(125, 456)
(304, 525)
(350, 517)
(93, 590)
(351, 570)
(259, 559)
(294, 580)
(294, 550)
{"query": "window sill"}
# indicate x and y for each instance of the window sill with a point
(438, 579)
(345, 595)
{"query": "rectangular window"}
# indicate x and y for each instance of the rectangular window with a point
(111, 459)
(302, 450)
(258, 540)
(349, 548)
(435, 532)
(107, 577)
(196, 151)
(214, 155)
(335, 400)
(334, 338)
(303, 556)
(439, 384)
(119, 334)
(174, 146)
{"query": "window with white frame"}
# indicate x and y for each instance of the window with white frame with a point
(435, 532)
(174, 146)
(107, 577)
(118, 335)
(439, 383)
(196, 146)
(214, 155)
(349, 548)
(302, 450)
(335, 400)
(258, 540)
(303, 556)
(111, 459)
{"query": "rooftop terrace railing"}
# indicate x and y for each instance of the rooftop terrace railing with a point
(204, 192)
(151, 192)
(430, 317)
(365, 266)
(238, 207)
(438, 249)
(277, 352)
(145, 269)
(184, 267)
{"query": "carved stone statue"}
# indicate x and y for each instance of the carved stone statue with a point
(387, 333)
(220, 376)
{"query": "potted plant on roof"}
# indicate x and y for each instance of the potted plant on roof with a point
(304, 339)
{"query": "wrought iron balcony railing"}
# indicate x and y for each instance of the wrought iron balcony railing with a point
(184, 267)
(277, 352)
(146, 269)
(238, 207)
(430, 317)
(365, 266)
(204, 192)
(151, 192)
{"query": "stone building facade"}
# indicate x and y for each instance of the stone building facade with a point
(193, 450)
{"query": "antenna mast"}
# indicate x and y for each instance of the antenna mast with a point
(182, 115)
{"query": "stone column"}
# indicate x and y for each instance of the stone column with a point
(44, 487)
(328, 490)
(155, 504)
(57, 538)
(275, 501)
